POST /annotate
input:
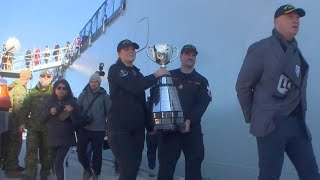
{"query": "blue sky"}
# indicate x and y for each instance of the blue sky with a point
(37, 23)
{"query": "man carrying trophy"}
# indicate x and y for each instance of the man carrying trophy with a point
(195, 96)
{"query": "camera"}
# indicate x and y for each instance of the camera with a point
(60, 109)
(87, 119)
(101, 72)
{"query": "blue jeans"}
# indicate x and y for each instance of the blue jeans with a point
(290, 137)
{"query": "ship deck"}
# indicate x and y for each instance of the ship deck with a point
(74, 170)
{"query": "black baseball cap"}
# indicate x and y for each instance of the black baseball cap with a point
(189, 48)
(288, 8)
(126, 43)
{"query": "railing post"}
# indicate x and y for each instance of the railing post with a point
(104, 22)
(90, 36)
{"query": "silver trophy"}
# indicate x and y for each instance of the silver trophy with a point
(166, 108)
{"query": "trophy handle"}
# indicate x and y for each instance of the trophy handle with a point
(177, 53)
(150, 48)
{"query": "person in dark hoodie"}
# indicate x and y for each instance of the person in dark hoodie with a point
(94, 102)
(127, 117)
(61, 114)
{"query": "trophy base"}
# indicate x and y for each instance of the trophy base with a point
(169, 120)
(169, 127)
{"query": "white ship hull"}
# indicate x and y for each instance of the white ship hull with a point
(222, 32)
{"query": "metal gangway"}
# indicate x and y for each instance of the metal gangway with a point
(96, 26)
(38, 61)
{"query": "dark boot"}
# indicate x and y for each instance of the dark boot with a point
(3, 165)
(13, 174)
(116, 167)
(20, 168)
(95, 177)
(87, 174)
(25, 177)
(43, 177)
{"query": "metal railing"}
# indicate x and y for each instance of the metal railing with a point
(94, 28)
(106, 13)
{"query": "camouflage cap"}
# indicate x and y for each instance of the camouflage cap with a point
(25, 74)
(45, 72)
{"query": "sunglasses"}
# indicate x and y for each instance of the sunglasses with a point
(45, 76)
(61, 88)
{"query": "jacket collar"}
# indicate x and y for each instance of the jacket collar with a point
(119, 62)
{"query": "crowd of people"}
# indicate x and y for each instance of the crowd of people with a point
(275, 111)
(54, 119)
(36, 57)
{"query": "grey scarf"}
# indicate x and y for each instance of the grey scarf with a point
(290, 61)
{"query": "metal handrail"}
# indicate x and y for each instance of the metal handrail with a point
(88, 35)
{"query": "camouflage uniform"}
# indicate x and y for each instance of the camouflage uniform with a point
(17, 92)
(37, 137)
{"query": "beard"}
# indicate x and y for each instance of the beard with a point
(45, 83)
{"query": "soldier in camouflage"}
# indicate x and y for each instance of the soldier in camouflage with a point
(37, 138)
(17, 93)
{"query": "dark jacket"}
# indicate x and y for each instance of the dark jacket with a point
(194, 94)
(259, 78)
(127, 92)
(60, 132)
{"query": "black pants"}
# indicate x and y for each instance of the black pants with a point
(170, 146)
(96, 140)
(59, 154)
(289, 137)
(127, 148)
(152, 145)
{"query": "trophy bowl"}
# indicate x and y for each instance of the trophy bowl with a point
(162, 54)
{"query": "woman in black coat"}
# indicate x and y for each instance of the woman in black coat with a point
(127, 115)
(61, 114)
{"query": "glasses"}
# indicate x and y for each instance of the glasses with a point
(45, 76)
(62, 88)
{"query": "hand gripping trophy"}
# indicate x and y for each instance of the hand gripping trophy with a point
(166, 108)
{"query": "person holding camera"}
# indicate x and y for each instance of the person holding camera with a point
(94, 102)
(61, 115)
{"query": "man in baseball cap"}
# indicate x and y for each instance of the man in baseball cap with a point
(37, 133)
(17, 93)
(281, 129)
